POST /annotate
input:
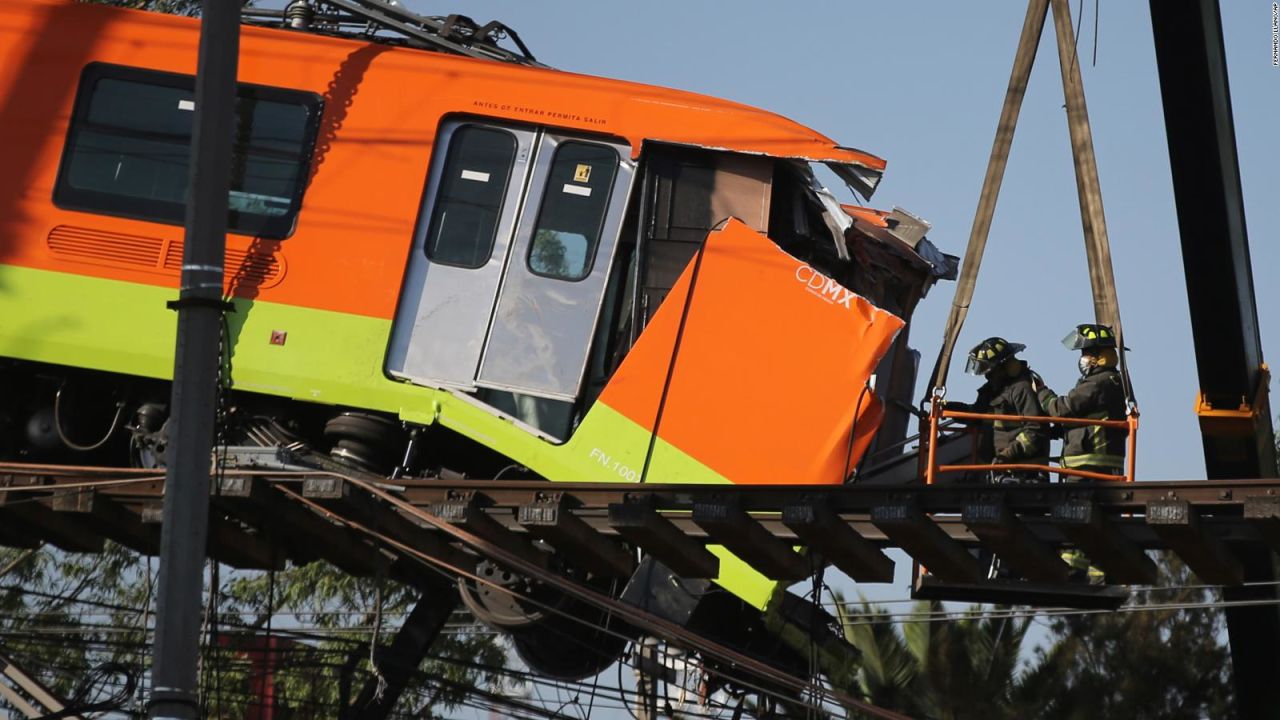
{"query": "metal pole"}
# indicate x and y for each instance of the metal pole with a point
(647, 680)
(195, 367)
(398, 662)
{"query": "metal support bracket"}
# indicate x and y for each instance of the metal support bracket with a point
(109, 518)
(1000, 530)
(1178, 524)
(309, 535)
(1084, 523)
(337, 494)
(24, 510)
(469, 514)
(909, 527)
(641, 525)
(824, 531)
(552, 520)
(730, 526)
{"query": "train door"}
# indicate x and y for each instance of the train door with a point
(510, 261)
(468, 218)
(560, 261)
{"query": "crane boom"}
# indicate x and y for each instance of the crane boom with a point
(1234, 413)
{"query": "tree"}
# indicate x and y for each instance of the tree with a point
(1157, 659)
(62, 615)
(549, 255)
(1152, 662)
(336, 604)
(937, 667)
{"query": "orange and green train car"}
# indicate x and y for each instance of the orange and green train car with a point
(445, 264)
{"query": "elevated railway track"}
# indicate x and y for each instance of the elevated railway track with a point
(265, 517)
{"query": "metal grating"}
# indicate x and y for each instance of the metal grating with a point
(244, 268)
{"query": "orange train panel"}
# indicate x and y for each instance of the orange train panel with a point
(770, 351)
(382, 108)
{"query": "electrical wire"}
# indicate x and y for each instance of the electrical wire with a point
(57, 424)
(590, 596)
(622, 695)
(215, 648)
(675, 354)
(914, 617)
(986, 615)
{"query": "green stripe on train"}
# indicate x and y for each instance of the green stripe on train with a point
(328, 357)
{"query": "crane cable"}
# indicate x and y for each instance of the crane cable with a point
(1097, 247)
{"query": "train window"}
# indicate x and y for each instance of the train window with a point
(574, 204)
(129, 144)
(464, 222)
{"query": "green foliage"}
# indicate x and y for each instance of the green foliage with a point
(78, 616)
(347, 610)
(1158, 663)
(62, 614)
(1161, 662)
(963, 668)
(549, 255)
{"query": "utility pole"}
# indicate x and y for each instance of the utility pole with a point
(195, 369)
(647, 676)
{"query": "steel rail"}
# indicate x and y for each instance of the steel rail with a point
(623, 611)
(673, 497)
(626, 612)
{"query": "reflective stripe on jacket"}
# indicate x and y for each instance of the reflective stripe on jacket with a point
(1097, 396)
(1021, 441)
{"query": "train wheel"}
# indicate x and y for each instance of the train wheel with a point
(555, 635)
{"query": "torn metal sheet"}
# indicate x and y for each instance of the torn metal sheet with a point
(904, 233)
(836, 219)
(860, 178)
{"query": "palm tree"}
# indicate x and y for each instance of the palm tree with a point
(966, 667)
(1163, 657)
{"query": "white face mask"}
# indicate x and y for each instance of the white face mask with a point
(1085, 364)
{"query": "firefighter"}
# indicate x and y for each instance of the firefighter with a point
(1007, 391)
(1098, 395)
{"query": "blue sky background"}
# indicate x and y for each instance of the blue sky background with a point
(920, 84)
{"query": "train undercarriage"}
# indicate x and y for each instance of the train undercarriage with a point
(62, 416)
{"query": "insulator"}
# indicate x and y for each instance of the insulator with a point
(298, 14)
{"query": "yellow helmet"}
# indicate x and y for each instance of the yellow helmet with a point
(1089, 337)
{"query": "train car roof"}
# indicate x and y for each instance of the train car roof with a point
(633, 111)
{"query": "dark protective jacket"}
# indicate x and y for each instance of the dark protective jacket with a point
(1020, 441)
(1098, 396)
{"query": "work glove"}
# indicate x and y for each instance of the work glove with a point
(1003, 457)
